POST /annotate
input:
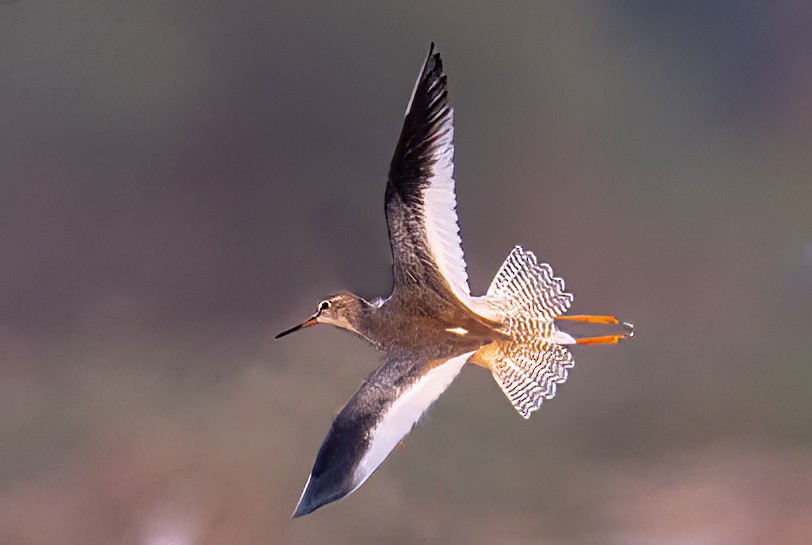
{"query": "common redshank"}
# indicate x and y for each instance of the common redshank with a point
(431, 325)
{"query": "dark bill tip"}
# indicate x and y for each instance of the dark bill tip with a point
(308, 323)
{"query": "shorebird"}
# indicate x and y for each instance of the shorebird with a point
(431, 325)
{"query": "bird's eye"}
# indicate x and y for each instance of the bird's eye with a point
(324, 305)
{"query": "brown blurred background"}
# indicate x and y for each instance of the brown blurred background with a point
(181, 180)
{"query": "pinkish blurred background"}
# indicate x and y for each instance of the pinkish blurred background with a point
(181, 180)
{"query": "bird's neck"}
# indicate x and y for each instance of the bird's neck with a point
(365, 322)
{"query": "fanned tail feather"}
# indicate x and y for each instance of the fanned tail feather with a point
(528, 375)
(527, 292)
(529, 366)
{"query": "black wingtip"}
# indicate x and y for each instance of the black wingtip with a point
(301, 511)
(433, 60)
(318, 493)
(306, 504)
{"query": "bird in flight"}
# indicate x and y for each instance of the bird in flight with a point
(431, 325)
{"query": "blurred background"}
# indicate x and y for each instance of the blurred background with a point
(181, 180)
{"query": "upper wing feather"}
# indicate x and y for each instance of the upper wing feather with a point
(420, 200)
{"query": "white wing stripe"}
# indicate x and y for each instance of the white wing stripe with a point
(403, 414)
(440, 214)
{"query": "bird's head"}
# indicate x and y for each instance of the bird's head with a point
(341, 310)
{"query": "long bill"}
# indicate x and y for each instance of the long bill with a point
(309, 322)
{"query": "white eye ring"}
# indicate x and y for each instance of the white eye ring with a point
(324, 305)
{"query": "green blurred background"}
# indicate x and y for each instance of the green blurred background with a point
(181, 180)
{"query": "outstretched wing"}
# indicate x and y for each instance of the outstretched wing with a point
(373, 422)
(420, 201)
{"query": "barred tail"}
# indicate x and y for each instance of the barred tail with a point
(533, 362)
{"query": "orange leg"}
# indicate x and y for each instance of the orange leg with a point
(590, 319)
(604, 339)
